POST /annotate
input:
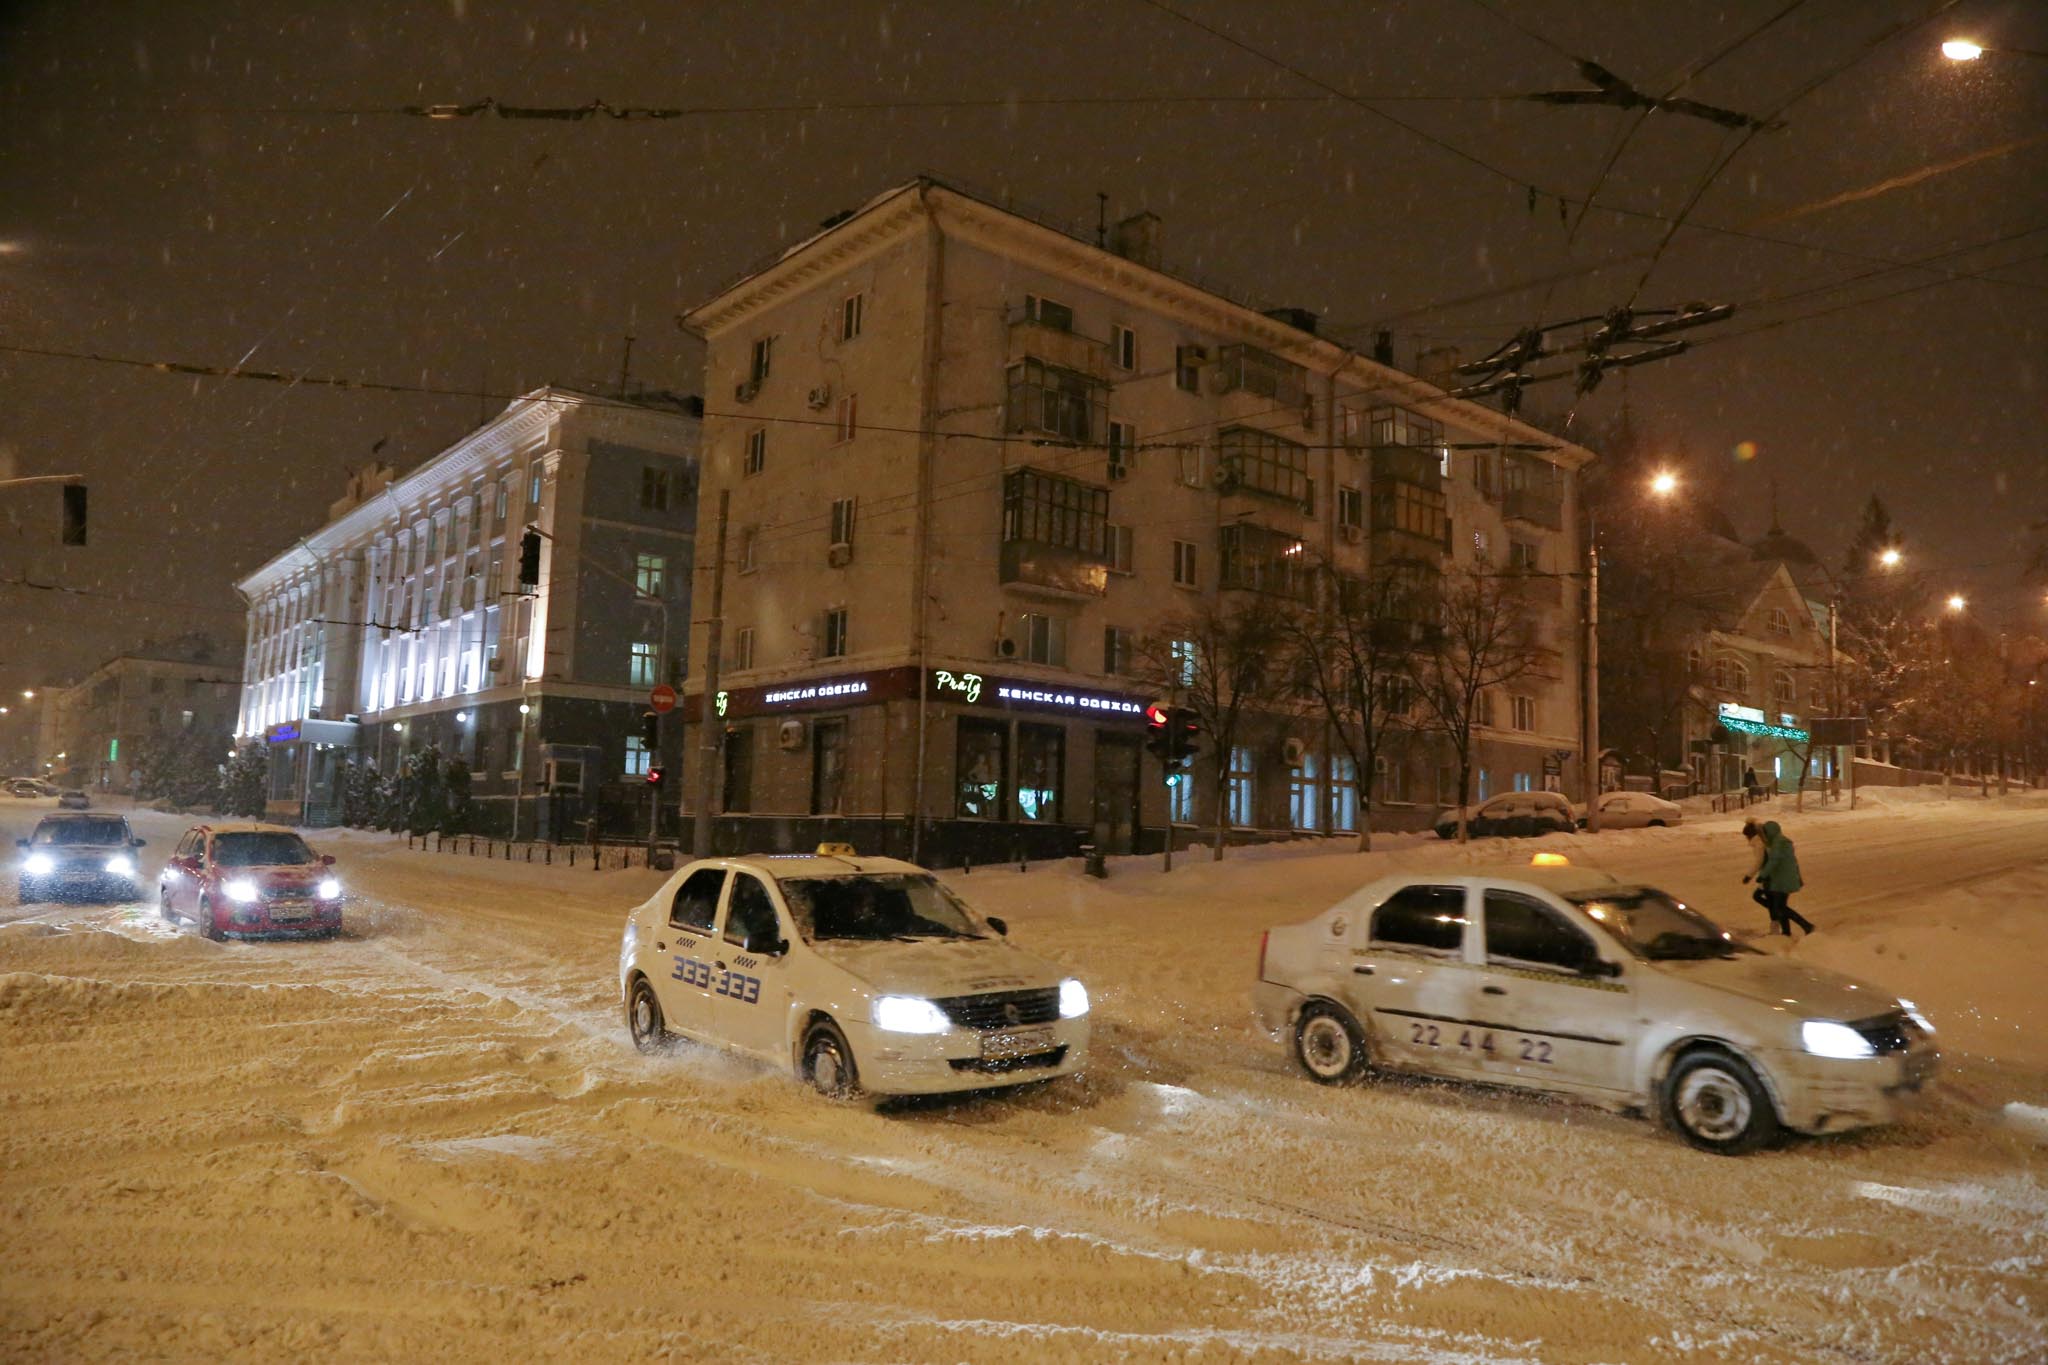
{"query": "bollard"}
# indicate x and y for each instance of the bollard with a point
(1093, 863)
(548, 854)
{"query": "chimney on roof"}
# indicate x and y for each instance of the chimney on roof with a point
(1136, 238)
(1383, 347)
(1301, 319)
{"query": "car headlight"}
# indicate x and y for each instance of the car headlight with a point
(1073, 999)
(121, 865)
(1913, 1012)
(243, 890)
(329, 889)
(1825, 1038)
(38, 865)
(909, 1014)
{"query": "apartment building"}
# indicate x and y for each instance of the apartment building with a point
(973, 457)
(95, 732)
(402, 621)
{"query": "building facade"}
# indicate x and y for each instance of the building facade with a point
(974, 459)
(96, 732)
(402, 622)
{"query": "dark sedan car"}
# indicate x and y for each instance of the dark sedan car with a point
(79, 856)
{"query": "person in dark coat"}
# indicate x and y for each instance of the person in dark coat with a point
(1753, 835)
(1779, 878)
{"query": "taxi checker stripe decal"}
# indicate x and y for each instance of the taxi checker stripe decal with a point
(1501, 1028)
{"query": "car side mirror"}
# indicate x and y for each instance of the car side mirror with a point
(327, 860)
(140, 842)
(1600, 966)
(997, 923)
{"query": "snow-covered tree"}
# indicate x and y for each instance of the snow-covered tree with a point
(1487, 640)
(245, 784)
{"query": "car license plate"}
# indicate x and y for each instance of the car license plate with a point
(1016, 1042)
(283, 914)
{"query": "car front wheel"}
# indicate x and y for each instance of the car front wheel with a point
(644, 1019)
(1715, 1102)
(206, 924)
(163, 907)
(1328, 1044)
(828, 1063)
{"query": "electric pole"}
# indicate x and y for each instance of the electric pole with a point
(707, 708)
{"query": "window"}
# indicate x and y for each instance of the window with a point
(1187, 368)
(1046, 509)
(1186, 661)
(757, 453)
(1525, 714)
(1304, 795)
(1041, 766)
(1397, 695)
(1184, 563)
(1731, 674)
(1400, 427)
(636, 756)
(835, 633)
(1343, 792)
(653, 488)
(1119, 542)
(764, 354)
(981, 761)
(739, 768)
(649, 573)
(1780, 622)
(1350, 506)
(1523, 556)
(750, 915)
(1243, 808)
(842, 521)
(743, 648)
(1257, 558)
(504, 498)
(849, 417)
(850, 316)
(184, 720)
(1061, 402)
(1123, 443)
(1046, 313)
(696, 903)
(1695, 661)
(1116, 650)
(1180, 803)
(534, 472)
(750, 537)
(1263, 463)
(1414, 510)
(642, 670)
(1482, 708)
(1044, 638)
(1521, 930)
(1784, 693)
(1523, 784)
(1191, 466)
(1431, 918)
(1123, 347)
(1482, 787)
(1389, 780)
(828, 766)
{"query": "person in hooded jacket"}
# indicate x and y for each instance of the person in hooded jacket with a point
(1753, 835)
(1779, 878)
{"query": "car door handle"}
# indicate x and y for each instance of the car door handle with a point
(1494, 990)
(1362, 971)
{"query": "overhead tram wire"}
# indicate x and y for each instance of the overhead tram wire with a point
(186, 604)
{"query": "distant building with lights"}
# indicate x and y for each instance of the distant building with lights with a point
(401, 622)
(974, 456)
(94, 733)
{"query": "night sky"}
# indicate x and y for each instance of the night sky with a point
(222, 184)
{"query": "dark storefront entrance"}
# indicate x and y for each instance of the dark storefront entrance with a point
(1116, 793)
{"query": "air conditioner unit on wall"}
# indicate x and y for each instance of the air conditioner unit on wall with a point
(1293, 751)
(1006, 648)
(1353, 534)
(790, 735)
(819, 397)
(744, 391)
(839, 555)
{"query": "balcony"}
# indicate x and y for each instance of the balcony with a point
(1054, 534)
(1533, 507)
(1419, 465)
(1052, 401)
(1053, 571)
(1259, 559)
(1395, 545)
(1247, 369)
(1034, 339)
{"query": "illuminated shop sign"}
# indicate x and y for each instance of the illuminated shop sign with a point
(282, 734)
(1070, 701)
(948, 684)
(844, 687)
(1748, 720)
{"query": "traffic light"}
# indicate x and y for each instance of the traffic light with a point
(1184, 736)
(529, 560)
(74, 514)
(655, 775)
(1159, 733)
(650, 732)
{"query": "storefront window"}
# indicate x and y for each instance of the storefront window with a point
(1344, 792)
(1180, 801)
(739, 768)
(1304, 795)
(1041, 768)
(828, 767)
(981, 759)
(1242, 781)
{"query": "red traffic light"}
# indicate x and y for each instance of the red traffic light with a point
(654, 777)
(1156, 715)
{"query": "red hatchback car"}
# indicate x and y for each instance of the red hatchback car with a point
(245, 881)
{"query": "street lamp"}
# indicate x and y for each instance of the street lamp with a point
(1890, 557)
(1956, 601)
(1664, 483)
(1961, 50)
(28, 695)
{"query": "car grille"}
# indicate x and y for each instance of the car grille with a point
(996, 1066)
(995, 1010)
(1889, 1033)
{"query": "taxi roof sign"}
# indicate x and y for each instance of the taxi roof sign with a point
(1549, 860)
(836, 851)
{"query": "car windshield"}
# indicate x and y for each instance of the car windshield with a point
(1656, 927)
(877, 906)
(260, 850)
(82, 832)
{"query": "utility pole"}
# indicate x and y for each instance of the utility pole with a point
(1589, 759)
(707, 716)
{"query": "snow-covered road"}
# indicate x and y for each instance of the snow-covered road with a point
(430, 1139)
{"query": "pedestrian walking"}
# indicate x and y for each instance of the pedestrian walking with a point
(1753, 835)
(1779, 877)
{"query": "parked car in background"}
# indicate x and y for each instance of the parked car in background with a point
(1631, 810)
(29, 787)
(1514, 814)
(79, 857)
(73, 800)
(250, 881)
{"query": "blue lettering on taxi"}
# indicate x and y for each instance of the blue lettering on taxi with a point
(733, 985)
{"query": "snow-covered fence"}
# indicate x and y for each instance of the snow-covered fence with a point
(596, 857)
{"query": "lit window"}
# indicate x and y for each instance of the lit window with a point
(1186, 661)
(641, 671)
(1119, 549)
(636, 756)
(649, 571)
(1242, 807)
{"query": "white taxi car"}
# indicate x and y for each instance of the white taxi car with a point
(862, 974)
(1557, 979)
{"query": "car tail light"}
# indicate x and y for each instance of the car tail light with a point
(1264, 934)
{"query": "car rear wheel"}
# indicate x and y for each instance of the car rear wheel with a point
(1657, 824)
(1715, 1102)
(644, 1019)
(828, 1063)
(1328, 1044)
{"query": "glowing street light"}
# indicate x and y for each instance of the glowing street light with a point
(1956, 601)
(1961, 50)
(1664, 483)
(1890, 557)
(28, 695)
